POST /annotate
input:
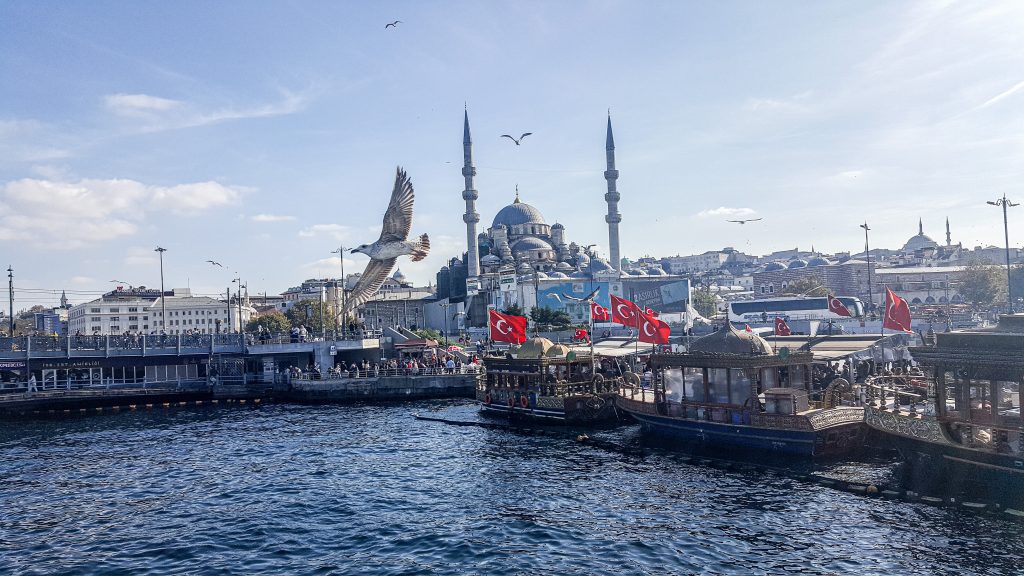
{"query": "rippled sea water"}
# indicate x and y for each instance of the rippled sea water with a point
(290, 489)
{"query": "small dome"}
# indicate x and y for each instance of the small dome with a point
(582, 275)
(398, 276)
(558, 275)
(798, 263)
(534, 348)
(490, 260)
(444, 268)
(557, 226)
(525, 267)
(600, 265)
(773, 266)
(818, 261)
(564, 267)
(731, 341)
(919, 242)
(531, 243)
(558, 351)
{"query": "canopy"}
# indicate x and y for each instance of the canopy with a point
(838, 347)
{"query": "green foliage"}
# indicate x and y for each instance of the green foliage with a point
(982, 283)
(548, 319)
(514, 310)
(273, 322)
(312, 314)
(429, 333)
(704, 303)
(1017, 282)
(809, 285)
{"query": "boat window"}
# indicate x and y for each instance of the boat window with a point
(796, 376)
(739, 387)
(694, 378)
(718, 384)
(673, 384)
(769, 378)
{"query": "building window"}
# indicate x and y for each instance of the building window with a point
(133, 309)
(133, 327)
(115, 310)
(94, 310)
(115, 318)
(145, 317)
(115, 328)
(132, 318)
(95, 319)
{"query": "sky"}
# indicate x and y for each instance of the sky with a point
(264, 135)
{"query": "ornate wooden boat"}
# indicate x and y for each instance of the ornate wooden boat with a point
(731, 389)
(968, 431)
(547, 383)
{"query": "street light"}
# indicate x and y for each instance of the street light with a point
(239, 296)
(1006, 230)
(10, 293)
(341, 258)
(445, 306)
(163, 300)
(867, 253)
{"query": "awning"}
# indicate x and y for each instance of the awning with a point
(838, 347)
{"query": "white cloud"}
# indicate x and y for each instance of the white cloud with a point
(67, 215)
(331, 267)
(135, 104)
(272, 218)
(726, 212)
(1006, 93)
(336, 231)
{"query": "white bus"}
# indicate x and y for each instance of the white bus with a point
(792, 308)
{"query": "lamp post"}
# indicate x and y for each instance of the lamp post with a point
(867, 254)
(238, 295)
(163, 300)
(10, 295)
(444, 306)
(341, 258)
(1006, 230)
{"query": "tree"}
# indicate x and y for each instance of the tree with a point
(704, 303)
(544, 317)
(1017, 282)
(514, 310)
(313, 314)
(429, 334)
(809, 285)
(982, 283)
(273, 322)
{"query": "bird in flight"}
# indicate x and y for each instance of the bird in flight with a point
(391, 244)
(392, 24)
(517, 141)
(741, 222)
(215, 263)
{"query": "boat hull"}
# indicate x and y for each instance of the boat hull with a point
(584, 409)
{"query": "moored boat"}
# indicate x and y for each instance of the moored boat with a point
(732, 389)
(548, 383)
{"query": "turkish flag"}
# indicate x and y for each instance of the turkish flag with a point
(837, 307)
(581, 334)
(625, 312)
(747, 328)
(650, 313)
(599, 313)
(651, 330)
(897, 312)
(781, 328)
(506, 327)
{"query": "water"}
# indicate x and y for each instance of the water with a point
(288, 489)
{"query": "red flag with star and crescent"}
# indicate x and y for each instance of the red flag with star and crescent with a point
(651, 330)
(506, 327)
(836, 306)
(599, 313)
(625, 312)
(781, 328)
(897, 312)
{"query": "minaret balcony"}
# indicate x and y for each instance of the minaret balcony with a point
(611, 174)
(471, 218)
(613, 218)
(470, 194)
(469, 171)
(611, 197)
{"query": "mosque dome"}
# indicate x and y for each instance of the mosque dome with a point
(490, 260)
(600, 265)
(398, 276)
(557, 226)
(773, 266)
(517, 213)
(731, 341)
(531, 243)
(557, 275)
(564, 267)
(794, 264)
(542, 276)
(582, 275)
(919, 241)
(818, 261)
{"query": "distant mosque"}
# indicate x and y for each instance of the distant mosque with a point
(520, 238)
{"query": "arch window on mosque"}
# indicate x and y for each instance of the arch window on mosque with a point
(771, 288)
(929, 300)
(915, 300)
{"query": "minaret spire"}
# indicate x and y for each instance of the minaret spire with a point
(920, 227)
(612, 197)
(949, 239)
(470, 195)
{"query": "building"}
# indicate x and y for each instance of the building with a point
(200, 314)
(121, 310)
(140, 310)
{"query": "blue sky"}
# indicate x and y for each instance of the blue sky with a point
(263, 134)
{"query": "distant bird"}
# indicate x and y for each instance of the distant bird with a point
(525, 134)
(391, 244)
(742, 222)
(215, 263)
(392, 24)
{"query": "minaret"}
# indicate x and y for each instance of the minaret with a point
(470, 195)
(949, 239)
(63, 300)
(920, 227)
(612, 197)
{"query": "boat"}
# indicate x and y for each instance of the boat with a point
(966, 428)
(732, 389)
(548, 383)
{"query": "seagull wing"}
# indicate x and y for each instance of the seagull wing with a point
(737, 221)
(525, 134)
(398, 218)
(510, 138)
(590, 297)
(755, 219)
(373, 278)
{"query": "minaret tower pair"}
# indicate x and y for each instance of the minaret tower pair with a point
(470, 195)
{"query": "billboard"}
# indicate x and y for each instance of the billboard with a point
(662, 294)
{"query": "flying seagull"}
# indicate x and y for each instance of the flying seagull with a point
(215, 263)
(392, 24)
(525, 134)
(391, 244)
(742, 222)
